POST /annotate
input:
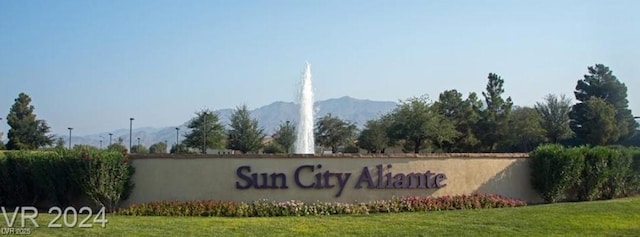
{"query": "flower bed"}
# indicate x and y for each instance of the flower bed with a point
(263, 208)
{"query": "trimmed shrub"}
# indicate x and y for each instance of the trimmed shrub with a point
(27, 178)
(104, 176)
(265, 208)
(58, 177)
(16, 184)
(633, 180)
(555, 171)
(573, 164)
(618, 172)
(544, 178)
(584, 173)
(595, 173)
(49, 172)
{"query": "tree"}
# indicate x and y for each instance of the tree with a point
(244, 135)
(598, 126)
(334, 132)
(420, 124)
(118, 146)
(373, 137)
(464, 115)
(494, 119)
(26, 132)
(206, 132)
(285, 136)
(139, 149)
(273, 148)
(59, 143)
(158, 148)
(179, 149)
(554, 113)
(601, 83)
(84, 147)
(525, 130)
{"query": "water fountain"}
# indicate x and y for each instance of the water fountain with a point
(305, 143)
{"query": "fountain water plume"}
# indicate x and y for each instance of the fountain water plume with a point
(305, 143)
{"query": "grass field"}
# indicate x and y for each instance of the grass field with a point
(609, 218)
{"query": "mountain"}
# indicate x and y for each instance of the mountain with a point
(269, 117)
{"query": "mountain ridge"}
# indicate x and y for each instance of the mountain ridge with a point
(269, 118)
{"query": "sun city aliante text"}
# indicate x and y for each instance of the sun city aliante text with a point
(313, 177)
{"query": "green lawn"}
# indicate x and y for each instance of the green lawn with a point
(610, 218)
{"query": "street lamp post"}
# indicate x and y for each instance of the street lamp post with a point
(70, 137)
(110, 134)
(177, 140)
(130, 132)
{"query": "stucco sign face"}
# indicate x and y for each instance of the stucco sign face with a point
(314, 177)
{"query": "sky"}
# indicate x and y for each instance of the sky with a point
(92, 65)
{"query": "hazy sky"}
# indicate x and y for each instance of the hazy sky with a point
(93, 64)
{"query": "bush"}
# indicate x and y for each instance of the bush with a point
(351, 149)
(618, 173)
(27, 178)
(595, 173)
(16, 184)
(117, 147)
(59, 177)
(584, 173)
(273, 148)
(50, 178)
(633, 180)
(264, 208)
(555, 171)
(104, 176)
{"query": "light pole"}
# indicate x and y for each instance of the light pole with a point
(110, 134)
(70, 137)
(177, 140)
(130, 132)
(138, 143)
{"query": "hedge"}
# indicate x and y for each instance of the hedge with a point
(583, 173)
(61, 177)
